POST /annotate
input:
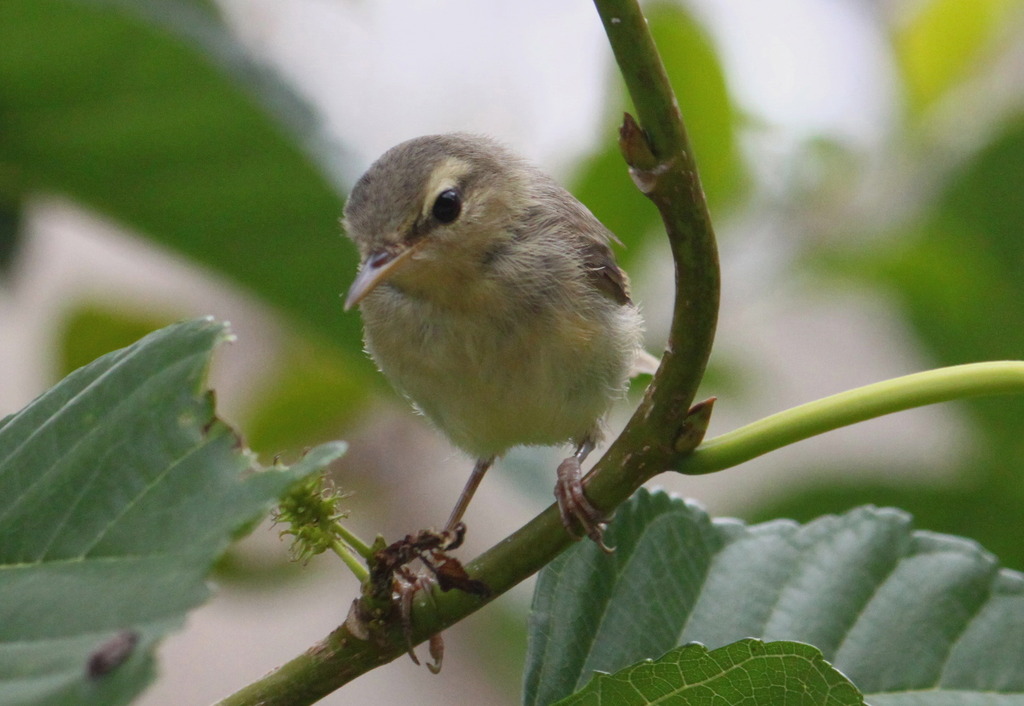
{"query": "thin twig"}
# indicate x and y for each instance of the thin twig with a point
(851, 407)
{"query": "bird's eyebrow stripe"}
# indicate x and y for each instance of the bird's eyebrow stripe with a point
(447, 175)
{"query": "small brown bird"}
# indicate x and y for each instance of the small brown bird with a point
(491, 299)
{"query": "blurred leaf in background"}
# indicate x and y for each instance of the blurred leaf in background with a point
(154, 115)
(315, 394)
(10, 234)
(93, 330)
(955, 270)
(603, 182)
(941, 44)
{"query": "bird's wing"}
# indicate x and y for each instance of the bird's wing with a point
(603, 272)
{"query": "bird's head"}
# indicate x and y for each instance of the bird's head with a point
(432, 208)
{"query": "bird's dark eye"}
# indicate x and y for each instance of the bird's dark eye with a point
(447, 206)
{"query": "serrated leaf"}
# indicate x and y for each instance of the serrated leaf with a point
(898, 612)
(748, 672)
(151, 113)
(118, 490)
(977, 510)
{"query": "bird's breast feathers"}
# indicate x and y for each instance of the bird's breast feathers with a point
(491, 381)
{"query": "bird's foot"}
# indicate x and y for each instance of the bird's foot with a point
(406, 585)
(431, 548)
(389, 593)
(574, 505)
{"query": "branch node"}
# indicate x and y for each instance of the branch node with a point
(694, 426)
(644, 168)
(357, 622)
(635, 145)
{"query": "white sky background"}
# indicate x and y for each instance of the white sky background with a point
(534, 74)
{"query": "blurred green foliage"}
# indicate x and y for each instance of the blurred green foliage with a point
(10, 234)
(944, 41)
(956, 272)
(92, 330)
(315, 393)
(153, 114)
(602, 182)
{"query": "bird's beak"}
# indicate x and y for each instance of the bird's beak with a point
(375, 269)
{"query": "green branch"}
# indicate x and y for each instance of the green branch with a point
(661, 163)
(341, 656)
(665, 429)
(851, 407)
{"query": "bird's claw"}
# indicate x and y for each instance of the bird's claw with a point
(394, 582)
(575, 507)
(406, 585)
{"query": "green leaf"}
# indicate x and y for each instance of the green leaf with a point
(118, 490)
(698, 81)
(315, 395)
(308, 397)
(976, 510)
(959, 278)
(92, 330)
(943, 41)
(745, 672)
(896, 611)
(151, 113)
(10, 233)
(603, 183)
